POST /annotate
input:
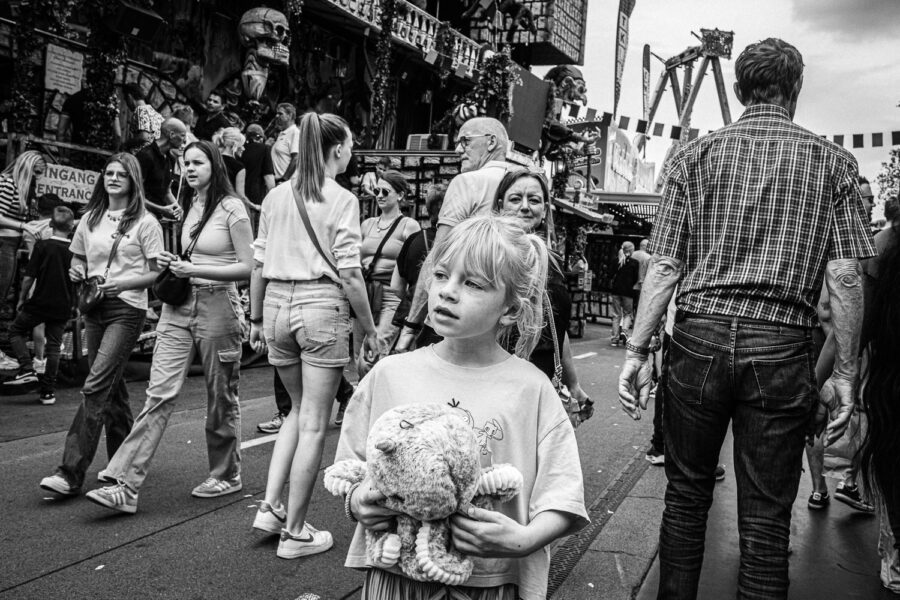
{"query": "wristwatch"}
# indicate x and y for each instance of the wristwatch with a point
(642, 350)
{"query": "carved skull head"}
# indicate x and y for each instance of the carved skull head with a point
(265, 30)
(570, 85)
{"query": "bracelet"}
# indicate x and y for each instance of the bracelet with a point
(412, 326)
(347, 512)
(642, 350)
(256, 321)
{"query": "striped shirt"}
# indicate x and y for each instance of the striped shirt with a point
(755, 210)
(9, 199)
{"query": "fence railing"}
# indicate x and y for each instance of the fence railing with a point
(416, 28)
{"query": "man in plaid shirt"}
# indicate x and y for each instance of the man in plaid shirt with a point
(753, 216)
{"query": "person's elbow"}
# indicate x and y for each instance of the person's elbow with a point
(351, 277)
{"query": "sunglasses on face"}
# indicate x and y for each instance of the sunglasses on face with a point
(382, 192)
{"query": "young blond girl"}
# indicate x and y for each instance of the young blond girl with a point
(487, 277)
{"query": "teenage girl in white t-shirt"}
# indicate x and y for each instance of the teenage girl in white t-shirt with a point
(207, 324)
(487, 276)
(116, 211)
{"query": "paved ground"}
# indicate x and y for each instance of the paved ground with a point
(180, 547)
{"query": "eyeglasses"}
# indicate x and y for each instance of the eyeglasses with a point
(465, 140)
(382, 192)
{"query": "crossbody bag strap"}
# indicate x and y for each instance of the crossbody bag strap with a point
(557, 362)
(384, 240)
(196, 236)
(112, 252)
(301, 206)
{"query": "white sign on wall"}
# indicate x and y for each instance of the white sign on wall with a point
(64, 69)
(69, 183)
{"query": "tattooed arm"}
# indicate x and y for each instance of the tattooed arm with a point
(663, 276)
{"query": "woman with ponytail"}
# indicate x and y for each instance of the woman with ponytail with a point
(306, 278)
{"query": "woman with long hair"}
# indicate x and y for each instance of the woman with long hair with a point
(230, 142)
(17, 183)
(117, 239)
(525, 195)
(383, 237)
(878, 455)
(208, 323)
(307, 275)
(626, 272)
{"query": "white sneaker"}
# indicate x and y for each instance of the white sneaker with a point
(269, 519)
(7, 363)
(310, 541)
(58, 484)
(39, 365)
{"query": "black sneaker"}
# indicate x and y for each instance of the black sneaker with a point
(47, 398)
(23, 377)
(818, 501)
(339, 417)
(849, 495)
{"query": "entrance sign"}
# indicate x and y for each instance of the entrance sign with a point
(69, 183)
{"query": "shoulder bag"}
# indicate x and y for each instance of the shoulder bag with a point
(89, 292)
(170, 288)
(375, 287)
(578, 412)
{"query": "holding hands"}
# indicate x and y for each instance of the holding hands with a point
(635, 382)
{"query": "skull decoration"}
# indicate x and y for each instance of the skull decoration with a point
(263, 31)
(570, 86)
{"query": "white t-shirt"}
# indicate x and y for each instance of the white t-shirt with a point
(517, 418)
(473, 193)
(283, 246)
(214, 247)
(287, 143)
(140, 244)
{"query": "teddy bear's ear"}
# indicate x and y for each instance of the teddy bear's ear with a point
(386, 446)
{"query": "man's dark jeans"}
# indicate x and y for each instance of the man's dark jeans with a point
(53, 332)
(657, 440)
(760, 377)
(111, 330)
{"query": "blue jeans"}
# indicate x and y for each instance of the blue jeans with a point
(208, 324)
(111, 330)
(761, 378)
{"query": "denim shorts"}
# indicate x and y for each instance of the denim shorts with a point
(307, 321)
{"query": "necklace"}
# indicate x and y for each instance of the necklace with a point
(113, 218)
(380, 228)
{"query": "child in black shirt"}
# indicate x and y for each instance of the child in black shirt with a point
(51, 304)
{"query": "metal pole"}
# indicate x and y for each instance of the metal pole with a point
(722, 91)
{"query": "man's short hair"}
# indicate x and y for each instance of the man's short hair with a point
(288, 108)
(769, 72)
(134, 90)
(255, 132)
(63, 219)
(892, 209)
(488, 125)
(862, 180)
(218, 93)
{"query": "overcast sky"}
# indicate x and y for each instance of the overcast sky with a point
(851, 49)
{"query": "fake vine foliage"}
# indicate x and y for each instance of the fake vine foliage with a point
(493, 91)
(294, 9)
(382, 82)
(106, 54)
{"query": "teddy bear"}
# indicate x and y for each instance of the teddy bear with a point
(424, 458)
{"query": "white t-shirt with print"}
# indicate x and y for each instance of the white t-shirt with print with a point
(517, 418)
(142, 242)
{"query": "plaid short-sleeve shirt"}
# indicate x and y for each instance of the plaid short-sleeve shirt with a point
(756, 210)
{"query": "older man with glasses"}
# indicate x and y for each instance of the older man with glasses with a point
(481, 144)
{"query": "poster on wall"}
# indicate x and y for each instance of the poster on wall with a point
(64, 69)
(69, 183)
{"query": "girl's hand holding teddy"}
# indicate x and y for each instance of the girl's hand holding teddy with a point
(366, 508)
(489, 533)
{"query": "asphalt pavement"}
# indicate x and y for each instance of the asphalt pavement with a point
(179, 547)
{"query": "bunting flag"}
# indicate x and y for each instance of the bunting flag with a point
(579, 114)
(625, 8)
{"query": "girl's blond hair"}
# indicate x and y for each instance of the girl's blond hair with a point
(499, 251)
(229, 138)
(21, 171)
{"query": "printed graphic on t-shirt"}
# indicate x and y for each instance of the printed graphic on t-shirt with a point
(491, 430)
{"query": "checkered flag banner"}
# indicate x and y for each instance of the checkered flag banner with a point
(575, 113)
